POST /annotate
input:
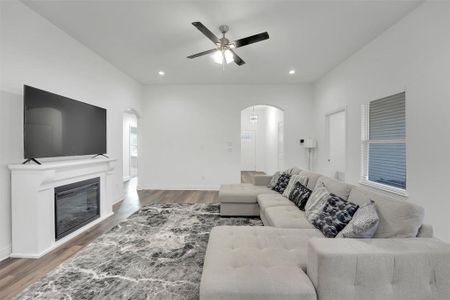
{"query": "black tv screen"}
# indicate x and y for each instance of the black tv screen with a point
(59, 126)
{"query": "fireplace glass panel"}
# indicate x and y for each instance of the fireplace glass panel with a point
(76, 205)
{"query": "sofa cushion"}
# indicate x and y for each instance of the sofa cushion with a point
(333, 186)
(398, 218)
(270, 200)
(335, 215)
(312, 178)
(287, 217)
(244, 262)
(300, 195)
(282, 183)
(294, 179)
(364, 223)
(242, 193)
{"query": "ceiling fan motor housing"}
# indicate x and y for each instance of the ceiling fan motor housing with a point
(224, 28)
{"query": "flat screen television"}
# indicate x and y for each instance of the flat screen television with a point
(55, 125)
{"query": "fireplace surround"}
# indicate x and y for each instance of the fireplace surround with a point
(33, 206)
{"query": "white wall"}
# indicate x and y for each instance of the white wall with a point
(36, 53)
(413, 55)
(191, 134)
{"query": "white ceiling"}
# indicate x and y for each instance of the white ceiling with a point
(142, 37)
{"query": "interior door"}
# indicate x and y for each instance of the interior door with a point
(336, 123)
(248, 150)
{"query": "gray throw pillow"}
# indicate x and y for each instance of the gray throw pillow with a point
(292, 171)
(364, 223)
(316, 202)
(274, 180)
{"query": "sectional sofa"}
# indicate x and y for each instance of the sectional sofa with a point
(289, 258)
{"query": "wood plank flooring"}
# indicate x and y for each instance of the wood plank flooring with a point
(18, 273)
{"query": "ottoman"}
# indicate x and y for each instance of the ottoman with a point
(244, 262)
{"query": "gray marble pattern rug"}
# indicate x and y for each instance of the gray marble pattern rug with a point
(157, 253)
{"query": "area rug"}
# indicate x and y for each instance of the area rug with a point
(157, 253)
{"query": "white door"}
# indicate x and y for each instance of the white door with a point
(336, 123)
(248, 150)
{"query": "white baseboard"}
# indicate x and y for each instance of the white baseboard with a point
(5, 252)
(181, 187)
(121, 198)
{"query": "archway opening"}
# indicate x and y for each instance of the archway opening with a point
(262, 139)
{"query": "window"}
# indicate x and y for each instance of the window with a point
(384, 144)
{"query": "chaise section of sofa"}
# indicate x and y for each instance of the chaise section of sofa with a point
(240, 199)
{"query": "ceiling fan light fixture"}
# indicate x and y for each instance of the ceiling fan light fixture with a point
(219, 56)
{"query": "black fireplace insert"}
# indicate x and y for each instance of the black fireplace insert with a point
(76, 205)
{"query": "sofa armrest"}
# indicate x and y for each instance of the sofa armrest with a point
(407, 268)
(262, 179)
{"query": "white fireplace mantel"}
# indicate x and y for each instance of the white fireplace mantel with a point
(33, 205)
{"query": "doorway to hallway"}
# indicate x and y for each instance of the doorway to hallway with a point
(130, 146)
(262, 139)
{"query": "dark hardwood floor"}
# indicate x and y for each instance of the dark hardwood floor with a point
(18, 273)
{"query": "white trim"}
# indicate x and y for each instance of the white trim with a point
(121, 198)
(5, 252)
(126, 178)
(384, 187)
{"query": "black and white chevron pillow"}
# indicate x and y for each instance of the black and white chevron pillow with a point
(300, 195)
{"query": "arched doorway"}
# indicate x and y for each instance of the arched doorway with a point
(262, 139)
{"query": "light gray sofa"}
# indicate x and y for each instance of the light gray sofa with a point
(289, 259)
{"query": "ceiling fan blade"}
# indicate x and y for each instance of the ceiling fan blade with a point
(202, 53)
(239, 61)
(206, 32)
(251, 39)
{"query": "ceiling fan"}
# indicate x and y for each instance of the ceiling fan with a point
(224, 53)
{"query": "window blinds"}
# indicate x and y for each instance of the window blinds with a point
(386, 144)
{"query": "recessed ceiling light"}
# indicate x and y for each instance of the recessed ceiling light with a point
(161, 73)
(291, 72)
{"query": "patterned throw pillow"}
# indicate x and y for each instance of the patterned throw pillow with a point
(282, 183)
(274, 180)
(335, 215)
(300, 195)
(364, 223)
(316, 202)
(294, 179)
(292, 171)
